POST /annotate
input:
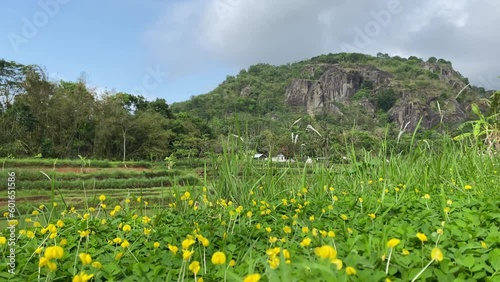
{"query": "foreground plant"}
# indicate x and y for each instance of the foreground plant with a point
(436, 256)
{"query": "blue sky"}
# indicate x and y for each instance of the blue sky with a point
(174, 49)
(103, 39)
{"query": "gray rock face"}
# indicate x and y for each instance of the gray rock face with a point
(337, 85)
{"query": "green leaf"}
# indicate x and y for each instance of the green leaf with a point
(494, 259)
(467, 261)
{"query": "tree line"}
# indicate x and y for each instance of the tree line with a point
(66, 119)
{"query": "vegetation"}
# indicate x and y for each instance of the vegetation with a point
(430, 214)
(384, 205)
(67, 119)
(123, 126)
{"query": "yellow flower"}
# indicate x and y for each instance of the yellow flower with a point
(232, 263)
(156, 245)
(405, 252)
(53, 235)
(393, 243)
(449, 202)
(54, 252)
(39, 250)
(268, 229)
(484, 245)
(344, 217)
(427, 196)
(63, 242)
(439, 231)
(287, 229)
(125, 244)
(305, 229)
(326, 252)
(126, 228)
(273, 252)
(60, 223)
(311, 218)
(173, 249)
(218, 258)
(3, 240)
(186, 243)
(186, 254)
(147, 231)
(146, 219)
(249, 214)
(274, 262)
(272, 239)
(102, 198)
(371, 215)
(337, 262)
(194, 267)
(204, 241)
(119, 256)
(51, 265)
(252, 278)
(35, 213)
(350, 270)
(82, 277)
(97, 265)
(117, 240)
(331, 234)
(286, 254)
(314, 232)
(437, 254)
(85, 258)
(422, 237)
(30, 234)
(305, 242)
(467, 187)
(84, 233)
(43, 261)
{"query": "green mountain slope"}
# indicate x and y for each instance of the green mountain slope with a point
(331, 94)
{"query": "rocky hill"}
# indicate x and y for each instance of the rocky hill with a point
(341, 89)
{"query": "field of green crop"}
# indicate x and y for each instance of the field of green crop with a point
(432, 214)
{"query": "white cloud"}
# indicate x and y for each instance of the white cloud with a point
(193, 34)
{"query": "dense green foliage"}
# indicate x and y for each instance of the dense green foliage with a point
(430, 214)
(67, 119)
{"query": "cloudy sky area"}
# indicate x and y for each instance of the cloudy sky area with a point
(174, 49)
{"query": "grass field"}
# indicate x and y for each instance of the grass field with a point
(431, 214)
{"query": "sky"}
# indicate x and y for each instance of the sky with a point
(176, 49)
